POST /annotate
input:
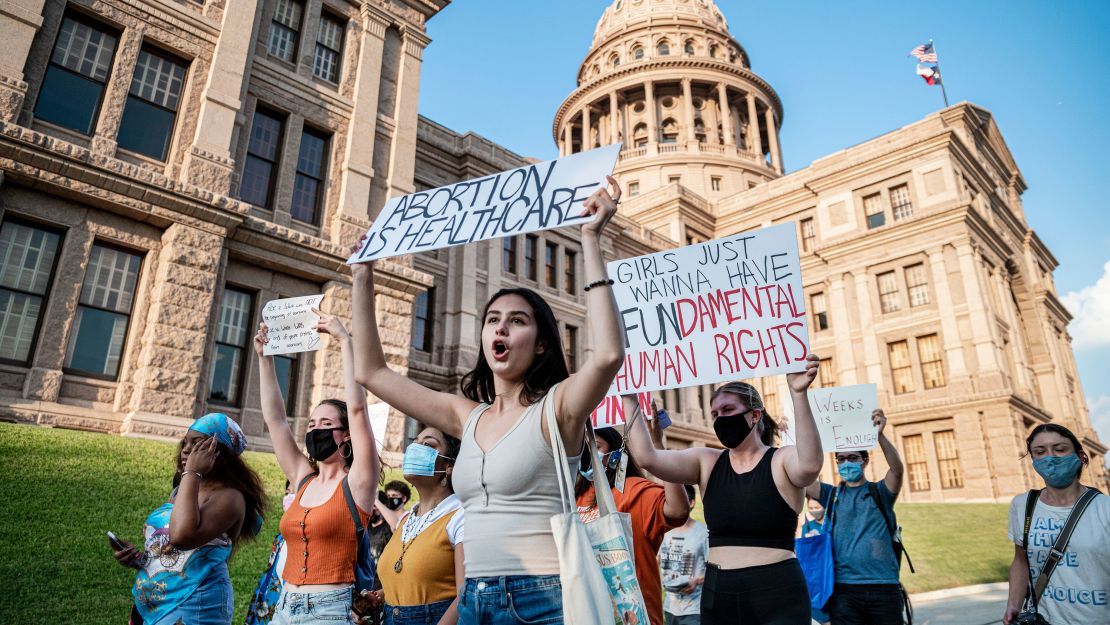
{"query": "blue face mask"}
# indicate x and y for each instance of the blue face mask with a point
(1058, 471)
(850, 471)
(420, 460)
(610, 460)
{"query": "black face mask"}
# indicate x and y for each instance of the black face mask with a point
(394, 502)
(320, 444)
(732, 430)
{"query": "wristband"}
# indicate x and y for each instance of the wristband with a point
(597, 284)
(196, 473)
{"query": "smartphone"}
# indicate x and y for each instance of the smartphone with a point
(664, 419)
(116, 543)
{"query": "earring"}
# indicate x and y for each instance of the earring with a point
(350, 452)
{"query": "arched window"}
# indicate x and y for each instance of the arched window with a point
(640, 135)
(713, 51)
(699, 130)
(670, 131)
(614, 60)
(637, 53)
(664, 48)
(688, 48)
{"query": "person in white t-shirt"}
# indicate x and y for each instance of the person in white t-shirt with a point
(1078, 592)
(682, 558)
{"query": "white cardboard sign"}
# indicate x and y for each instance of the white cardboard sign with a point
(379, 420)
(727, 309)
(843, 416)
(291, 325)
(535, 197)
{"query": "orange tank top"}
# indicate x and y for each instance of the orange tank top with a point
(320, 540)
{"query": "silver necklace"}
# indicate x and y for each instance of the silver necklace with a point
(424, 523)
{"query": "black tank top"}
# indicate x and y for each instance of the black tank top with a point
(746, 509)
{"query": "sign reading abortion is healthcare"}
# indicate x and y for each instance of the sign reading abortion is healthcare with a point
(530, 198)
(727, 309)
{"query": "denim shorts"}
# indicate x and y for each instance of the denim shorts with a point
(308, 608)
(416, 614)
(212, 603)
(512, 600)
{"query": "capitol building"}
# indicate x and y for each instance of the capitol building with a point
(168, 166)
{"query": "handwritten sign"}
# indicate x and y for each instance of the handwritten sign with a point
(530, 198)
(843, 416)
(379, 421)
(291, 325)
(610, 412)
(728, 309)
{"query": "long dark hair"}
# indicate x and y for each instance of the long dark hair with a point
(768, 427)
(547, 370)
(610, 436)
(1057, 429)
(231, 472)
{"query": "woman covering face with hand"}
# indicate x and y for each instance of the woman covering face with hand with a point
(183, 577)
(505, 475)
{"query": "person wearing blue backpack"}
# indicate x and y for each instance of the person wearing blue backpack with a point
(336, 487)
(866, 543)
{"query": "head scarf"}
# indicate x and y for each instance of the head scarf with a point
(224, 428)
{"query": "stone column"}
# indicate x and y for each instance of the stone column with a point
(115, 92)
(726, 114)
(871, 358)
(949, 325)
(568, 135)
(989, 372)
(840, 324)
(614, 135)
(773, 139)
(461, 333)
(653, 125)
(755, 144)
(171, 363)
(587, 142)
(688, 110)
(19, 22)
(356, 171)
(208, 161)
(402, 157)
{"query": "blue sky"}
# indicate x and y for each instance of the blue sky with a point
(501, 67)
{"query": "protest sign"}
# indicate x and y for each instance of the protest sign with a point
(843, 417)
(727, 309)
(379, 421)
(291, 325)
(610, 411)
(535, 197)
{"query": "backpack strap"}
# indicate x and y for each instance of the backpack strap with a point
(895, 539)
(359, 529)
(830, 508)
(305, 480)
(1057, 551)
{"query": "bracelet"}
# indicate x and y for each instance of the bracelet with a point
(196, 473)
(596, 284)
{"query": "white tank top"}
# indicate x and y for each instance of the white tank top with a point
(509, 494)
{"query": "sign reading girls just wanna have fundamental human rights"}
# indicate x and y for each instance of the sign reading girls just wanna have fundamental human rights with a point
(723, 310)
(538, 196)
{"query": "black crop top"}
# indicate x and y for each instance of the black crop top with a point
(746, 509)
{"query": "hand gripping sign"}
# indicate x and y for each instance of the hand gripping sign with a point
(291, 325)
(535, 197)
(724, 310)
(843, 417)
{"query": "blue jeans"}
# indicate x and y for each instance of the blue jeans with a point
(310, 608)
(512, 600)
(211, 603)
(416, 614)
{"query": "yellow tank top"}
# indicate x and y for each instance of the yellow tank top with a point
(428, 569)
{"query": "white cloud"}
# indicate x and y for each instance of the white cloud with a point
(1100, 416)
(1090, 307)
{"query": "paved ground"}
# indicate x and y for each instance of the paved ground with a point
(970, 605)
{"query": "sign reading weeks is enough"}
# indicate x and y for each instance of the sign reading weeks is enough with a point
(727, 309)
(291, 325)
(535, 197)
(843, 417)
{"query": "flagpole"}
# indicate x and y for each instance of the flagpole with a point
(943, 92)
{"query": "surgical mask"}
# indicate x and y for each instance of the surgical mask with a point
(287, 501)
(1058, 471)
(732, 431)
(320, 443)
(420, 460)
(611, 460)
(850, 471)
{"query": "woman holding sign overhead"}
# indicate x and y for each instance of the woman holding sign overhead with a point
(505, 474)
(752, 495)
(318, 525)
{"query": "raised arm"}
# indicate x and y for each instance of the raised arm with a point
(292, 462)
(443, 411)
(676, 505)
(194, 523)
(675, 466)
(366, 467)
(893, 479)
(577, 397)
(802, 461)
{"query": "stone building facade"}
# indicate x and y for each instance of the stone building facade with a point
(224, 153)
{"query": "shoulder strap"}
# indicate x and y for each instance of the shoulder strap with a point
(895, 539)
(830, 510)
(305, 480)
(351, 506)
(1057, 551)
(1030, 505)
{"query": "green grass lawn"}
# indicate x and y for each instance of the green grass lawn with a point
(61, 490)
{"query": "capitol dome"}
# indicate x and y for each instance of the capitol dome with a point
(667, 79)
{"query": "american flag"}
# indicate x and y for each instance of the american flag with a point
(925, 53)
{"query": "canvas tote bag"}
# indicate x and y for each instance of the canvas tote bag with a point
(596, 566)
